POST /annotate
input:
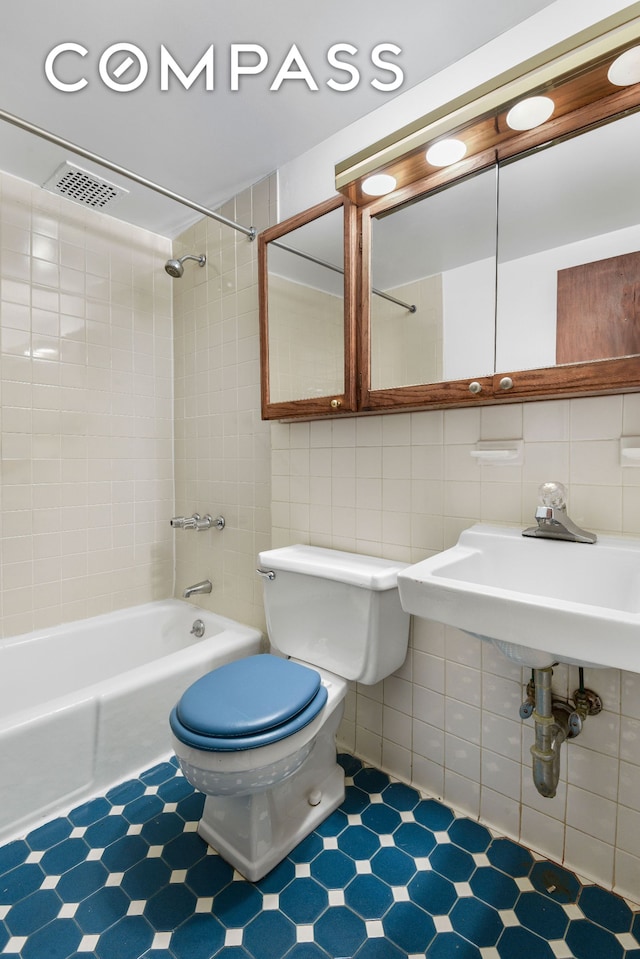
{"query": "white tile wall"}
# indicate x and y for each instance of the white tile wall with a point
(86, 424)
(404, 486)
(222, 447)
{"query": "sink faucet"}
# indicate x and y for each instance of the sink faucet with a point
(204, 587)
(552, 519)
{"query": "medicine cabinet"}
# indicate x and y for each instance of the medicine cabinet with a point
(513, 274)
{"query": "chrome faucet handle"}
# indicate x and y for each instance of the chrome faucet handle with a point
(197, 522)
(182, 522)
(207, 522)
(201, 522)
(553, 494)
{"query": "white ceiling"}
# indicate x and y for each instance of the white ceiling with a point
(208, 145)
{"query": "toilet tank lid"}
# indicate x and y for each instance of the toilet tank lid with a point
(355, 569)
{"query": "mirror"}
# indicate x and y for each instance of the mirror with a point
(568, 241)
(436, 255)
(307, 311)
(559, 296)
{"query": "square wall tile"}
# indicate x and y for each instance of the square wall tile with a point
(75, 419)
(232, 463)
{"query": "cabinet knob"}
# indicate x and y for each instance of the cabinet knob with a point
(506, 383)
(336, 404)
(475, 387)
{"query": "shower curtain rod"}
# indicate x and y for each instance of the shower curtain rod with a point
(15, 121)
(249, 232)
(336, 269)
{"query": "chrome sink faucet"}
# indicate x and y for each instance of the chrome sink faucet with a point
(552, 519)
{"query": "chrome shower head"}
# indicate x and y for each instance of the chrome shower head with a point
(175, 268)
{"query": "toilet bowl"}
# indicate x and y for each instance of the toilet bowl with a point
(260, 802)
(258, 736)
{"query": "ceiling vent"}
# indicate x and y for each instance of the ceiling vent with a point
(84, 187)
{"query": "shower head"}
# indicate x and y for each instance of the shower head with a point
(175, 268)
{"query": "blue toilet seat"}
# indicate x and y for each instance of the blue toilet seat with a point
(248, 703)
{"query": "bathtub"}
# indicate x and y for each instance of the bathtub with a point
(86, 705)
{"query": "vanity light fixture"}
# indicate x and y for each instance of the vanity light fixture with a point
(446, 152)
(591, 77)
(530, 113)
(625, 69)
(379, 184)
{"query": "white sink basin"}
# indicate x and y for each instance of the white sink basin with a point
(539, 600)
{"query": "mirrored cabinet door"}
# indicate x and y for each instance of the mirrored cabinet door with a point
(307, 313)
(429, 295)
(568, 303)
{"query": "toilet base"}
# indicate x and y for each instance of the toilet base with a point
(255, 832)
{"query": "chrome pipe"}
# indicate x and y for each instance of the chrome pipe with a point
(15, 121)
(551, 730)
(410, 307)
(336, 269)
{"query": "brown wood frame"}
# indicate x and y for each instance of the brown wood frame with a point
(317, 406)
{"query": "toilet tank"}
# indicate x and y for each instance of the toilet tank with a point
(336, 610)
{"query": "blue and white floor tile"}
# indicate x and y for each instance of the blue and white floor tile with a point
(388, 876)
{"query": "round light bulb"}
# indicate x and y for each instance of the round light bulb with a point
(379, 184)
(530, 113)
(625, 69)
(446, 152)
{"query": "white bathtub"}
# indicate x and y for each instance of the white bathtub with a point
(87, 704)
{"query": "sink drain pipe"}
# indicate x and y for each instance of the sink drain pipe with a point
(555, 721)
(551, 730)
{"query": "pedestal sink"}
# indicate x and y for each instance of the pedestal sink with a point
(539, 601)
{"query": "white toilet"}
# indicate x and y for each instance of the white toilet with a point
(257, 735)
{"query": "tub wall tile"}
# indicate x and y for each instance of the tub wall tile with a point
(223, 449)
(87, 433)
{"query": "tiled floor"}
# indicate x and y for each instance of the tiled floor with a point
(389, 875)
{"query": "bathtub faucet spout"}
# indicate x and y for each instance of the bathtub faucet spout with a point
(204, 587)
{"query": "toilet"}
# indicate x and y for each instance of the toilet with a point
(257, 735)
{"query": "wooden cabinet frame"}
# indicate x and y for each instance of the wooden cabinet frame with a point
(334, 404)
